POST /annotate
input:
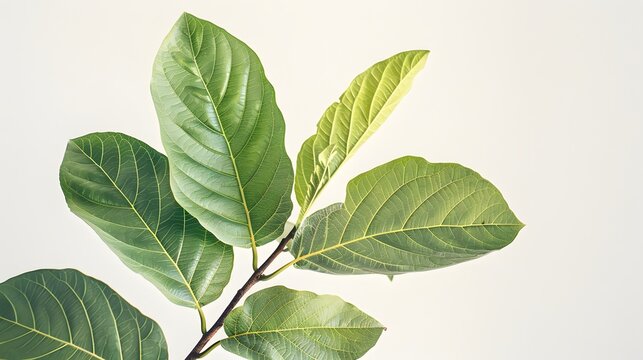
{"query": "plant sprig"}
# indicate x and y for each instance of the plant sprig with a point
(226, 182)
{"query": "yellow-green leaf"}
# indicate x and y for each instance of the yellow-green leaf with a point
(346, 124)
(403, 216)
(280, 323)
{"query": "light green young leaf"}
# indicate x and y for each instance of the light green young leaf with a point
(223, 133)
(346, 124)
(280, 323)
(406, 215)
(64, 314)
(120, 186)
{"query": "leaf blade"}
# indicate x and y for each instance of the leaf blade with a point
(404, 216)
(120, 187)
(71, 315)
(348, 123)
(276, 323)
(223, 133)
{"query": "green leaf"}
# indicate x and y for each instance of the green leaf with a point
(223, 133)
(346, 124)
(406, 215)
(64, 314)
(120, 186)
(280, 323)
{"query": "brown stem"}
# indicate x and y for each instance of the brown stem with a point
(254, 278)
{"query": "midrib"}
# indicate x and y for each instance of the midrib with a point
(270, 331)
(66, 343)
(225, 137)
(344, 244)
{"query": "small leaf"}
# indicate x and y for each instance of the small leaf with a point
(346, 124)
(223, 133)
(280, 323)
(64, 314)
(403, 216)
(120, 186)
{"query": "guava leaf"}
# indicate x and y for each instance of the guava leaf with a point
(348, 123)
(64, 314)
(280, 323)
(404, 216)
(223, 133)
(120, 186)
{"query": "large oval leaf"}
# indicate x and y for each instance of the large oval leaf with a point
(346, 124)
(280, 323)
(406, 215)
(64, 314)
(120, 186)
(223, 133)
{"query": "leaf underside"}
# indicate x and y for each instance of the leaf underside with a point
(404, 216)
(64, 314)
(223, 133)
(120, 186)
(348, 123)
(280, 323)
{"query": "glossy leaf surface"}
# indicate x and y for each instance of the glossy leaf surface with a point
(280, 323)
(64, 314)
(346, 124)
(120, 187)
(403, 216)
(223, 133)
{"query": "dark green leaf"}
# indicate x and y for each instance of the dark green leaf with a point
(120, 186)
(64, 314)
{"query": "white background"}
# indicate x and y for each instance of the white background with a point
(543, 98)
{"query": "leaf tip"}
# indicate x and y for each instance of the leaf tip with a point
(423, 54)
(187, 16)
(185, 20)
